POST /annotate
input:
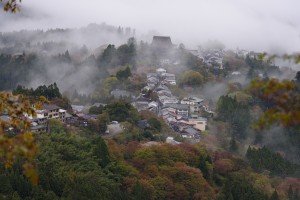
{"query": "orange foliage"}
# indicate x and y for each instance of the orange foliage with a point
(283, 99)
(223, 166)
(293, 182)
(10, 5)
(22, 144)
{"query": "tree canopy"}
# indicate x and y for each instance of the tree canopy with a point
(16, 140)
(10, 5)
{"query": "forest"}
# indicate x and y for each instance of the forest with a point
(249, 150)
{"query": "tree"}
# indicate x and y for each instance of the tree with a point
(274, 196)
(96, 110)
(239, 114)
(290, 193)
(191, 78)
(102, 121)
(233, 145)
(101, 152)
(155, 124)
(282, 100)
(121, 111)
(298, 76)
(124, 74)
(21, 145)
(10, 5)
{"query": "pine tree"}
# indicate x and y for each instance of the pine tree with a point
(274, 196)
(290, 193)
(296, 195)
(233, 145)
(101, 152)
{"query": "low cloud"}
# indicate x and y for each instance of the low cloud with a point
(270, 25)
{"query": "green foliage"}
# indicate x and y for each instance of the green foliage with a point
(293, 194)
(274, 196)
(236, 113)
(257, 65)
(55, 126)
(102, 121)
(125, 54)
(191, 78)
(205, 165)
(121, 111)
(101, 152)
(123, 74)
(233, 145)
(237, 188)
(263, 159)
(96, 110)
(281, 99)
(108, 55)
(155, 124)
(74, 169)
(50, 92)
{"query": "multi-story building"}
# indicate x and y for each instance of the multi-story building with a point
(48, 111)
(181, 109)
(194, 102)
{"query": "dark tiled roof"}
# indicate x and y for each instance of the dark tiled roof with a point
(38, 127)
(162, 41)
(5, 118)
(191, 131)
(50, 107)
(141, 98)
(177, 106)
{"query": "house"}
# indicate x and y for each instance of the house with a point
(193, 102)
(90, 117)
(181, 109)
(241, 53)
(62, 114)
(167, 100)
(164, 92)
(48, 111)
(78, 108)
(153, 106)
(161, 42)
(169, 78)
(236, 73)
(194, 52)
(39, 128)
(99, 104)
(165, 62)
(160, 71)
(69, 119)
(149, 75)
(152, 81)
(190, 133)
(198, 123)
(161, 87)
(141, 103)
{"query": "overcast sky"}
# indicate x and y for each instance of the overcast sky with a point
(252, 24)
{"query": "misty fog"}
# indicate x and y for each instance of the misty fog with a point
(256, 25)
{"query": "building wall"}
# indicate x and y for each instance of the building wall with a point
(198, 124)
